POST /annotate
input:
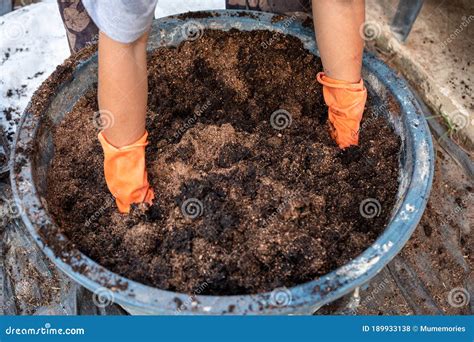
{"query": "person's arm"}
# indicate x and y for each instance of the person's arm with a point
(123, 89)
(337, 24)
(123, 93)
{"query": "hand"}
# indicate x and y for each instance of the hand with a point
(125, 173)
(346, 102)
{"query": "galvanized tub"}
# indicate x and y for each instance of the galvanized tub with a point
(28, 177)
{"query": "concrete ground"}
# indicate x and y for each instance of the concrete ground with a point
(437, 58)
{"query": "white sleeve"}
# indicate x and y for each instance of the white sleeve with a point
(122, 20)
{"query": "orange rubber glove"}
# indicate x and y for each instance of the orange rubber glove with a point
(125, 173)
(346, 102)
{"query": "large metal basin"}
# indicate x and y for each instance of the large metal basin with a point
(28, 177)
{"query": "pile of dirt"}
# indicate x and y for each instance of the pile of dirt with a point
(252, 193)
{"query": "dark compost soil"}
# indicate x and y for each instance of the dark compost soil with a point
(273, 207)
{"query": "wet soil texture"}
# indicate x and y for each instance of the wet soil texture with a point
(251, 191)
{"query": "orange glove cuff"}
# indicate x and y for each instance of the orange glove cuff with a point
(346, 102)
(125, 173)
